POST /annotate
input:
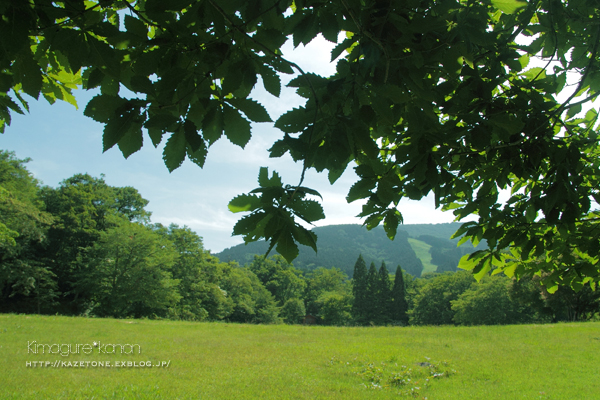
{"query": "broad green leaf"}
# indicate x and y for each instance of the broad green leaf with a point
(295, 120)
(198, 157)
(243, 203)
(194, 140)
(175, 150)
(361, 189)
(509, 6)
(252, 226)
(253, 110)
(271, 81)
(305, 237)
(116, 128)
(132, 141)
(102, 107)
(237, 128)
(263, 177)
(390, 223)
(135, 26)
(212, 124)
(30, 74)
(286, 246)
(308, 210)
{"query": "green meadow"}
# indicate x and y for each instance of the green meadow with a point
(242, 361)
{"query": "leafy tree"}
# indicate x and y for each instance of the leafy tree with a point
(489, 303)
(279, 277)
(25, 281)
(433, 301)
(199, 275)
(293, 311)
(335, 308)
(428, 96)
(127, 273)
(252, 302)
(321, 281)
(399, 306)
(83, 207)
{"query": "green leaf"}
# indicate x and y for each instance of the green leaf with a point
(509, 6)
(30, 74)
(244, 202)
(253, 110)
(294, 121)
(308, 210)
(212, 124)
(271, 81)
(361, 189)
(175, 150)
(199, 156)
(390, 223)
(263, 177)
(102, 108)
(132, 141)
(251, 226)
(116, 128)
(286, 246)
(191, 135)
(237, 128)
(136, 26)
(305, 237)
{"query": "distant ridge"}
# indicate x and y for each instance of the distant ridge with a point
(340, 245)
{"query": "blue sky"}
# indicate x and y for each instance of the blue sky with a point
(62, 142)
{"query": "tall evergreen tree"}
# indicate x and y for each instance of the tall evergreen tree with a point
(359, 290)
(399, 303)
(383, 300)
(371, 308)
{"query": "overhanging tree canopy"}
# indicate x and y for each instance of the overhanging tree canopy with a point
(430, 96)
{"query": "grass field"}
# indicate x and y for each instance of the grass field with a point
(234, 361)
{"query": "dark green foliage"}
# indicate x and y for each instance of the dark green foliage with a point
(293, 311)
(279, 277)
(565, 304)
(127, 273)
(83, 207)
(325, 287)
(360, 306)
(252, 302)
(489, 303)
(383, 295)
(399, 306)
(432, 303)
(26, 283)
(372, 315)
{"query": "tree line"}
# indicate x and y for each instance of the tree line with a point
(87, 248)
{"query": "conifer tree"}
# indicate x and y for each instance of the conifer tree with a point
(399, 303)
(359, 290)
(384, 296)
(372, 315)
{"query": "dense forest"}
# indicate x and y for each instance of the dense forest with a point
(87, 248)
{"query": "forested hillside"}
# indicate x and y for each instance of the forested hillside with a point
(340, 245)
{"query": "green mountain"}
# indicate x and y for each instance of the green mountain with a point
(429, 248)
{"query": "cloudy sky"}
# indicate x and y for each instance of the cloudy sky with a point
(62, 142)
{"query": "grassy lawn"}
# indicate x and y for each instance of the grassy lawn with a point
(234, 361)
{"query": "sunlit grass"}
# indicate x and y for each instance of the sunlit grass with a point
(234, 361)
